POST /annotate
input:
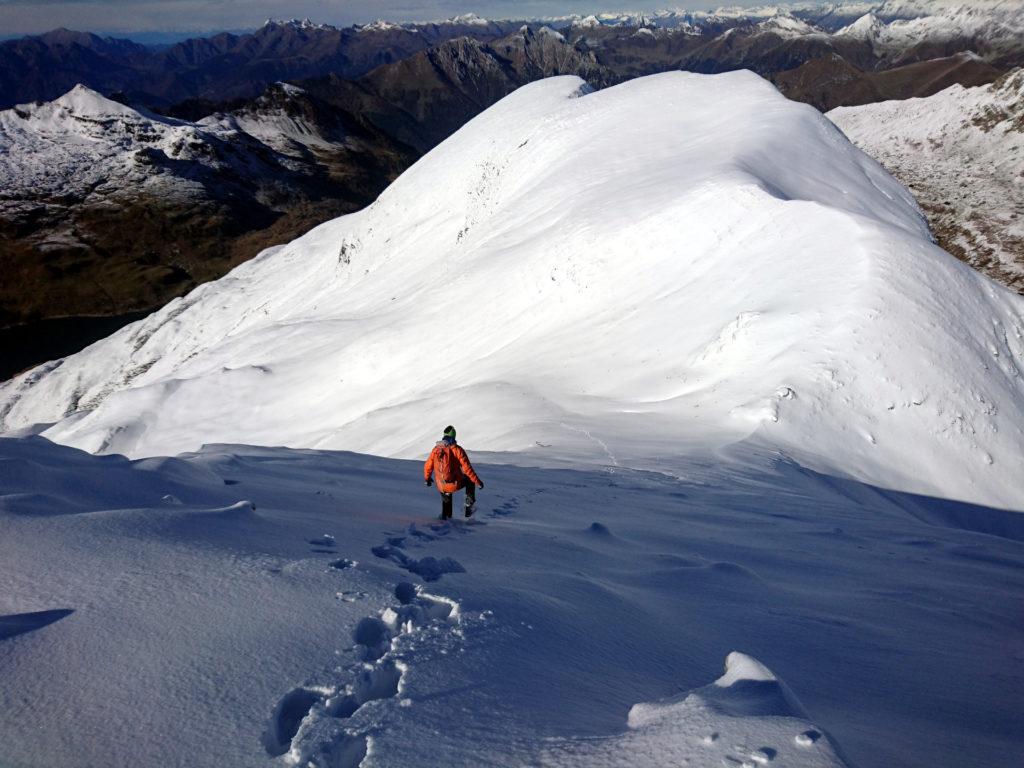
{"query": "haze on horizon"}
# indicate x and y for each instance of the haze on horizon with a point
(127, 17)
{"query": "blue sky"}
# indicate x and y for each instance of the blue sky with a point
(19, 17)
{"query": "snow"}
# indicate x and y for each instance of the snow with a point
(666, 323)
(867, 27)
(729, 402)
(549, 32)
(588, 22)
(898, 24)
(997, 22)
(249, 620)
(916, 8)
(469, 19)
(304, 24)
(788, 26)
(87, 146)
(381, 25)
(85, 141)
(291, 90)
(276, 127)
(692, 730)
(962, 150)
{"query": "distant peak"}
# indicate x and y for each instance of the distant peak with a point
(588, 22)
(789, 25)
(866, 27)
(547, 31)
(469, 18)
(296, 24)
(82, 100)
(289, 90)
(381, 25)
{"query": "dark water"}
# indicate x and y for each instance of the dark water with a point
(24, 346)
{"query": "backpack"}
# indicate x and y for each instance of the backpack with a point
(444, 465)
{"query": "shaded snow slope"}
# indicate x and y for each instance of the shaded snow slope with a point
(569, 282)
(252, 606)
(962, 153)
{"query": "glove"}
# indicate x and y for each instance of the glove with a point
(480, 484)
(428, 482)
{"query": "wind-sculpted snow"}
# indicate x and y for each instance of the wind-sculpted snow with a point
(623, 277)
(745, 718)
(225, 608)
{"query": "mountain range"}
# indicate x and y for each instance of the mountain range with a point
(869, 36)
(265, 160)
(730, 400)
(221, 67)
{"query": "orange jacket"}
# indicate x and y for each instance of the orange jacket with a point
(461, 468)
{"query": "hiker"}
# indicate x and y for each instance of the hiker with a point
(449, 465)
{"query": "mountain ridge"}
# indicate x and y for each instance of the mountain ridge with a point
(402, 109)
(697, 340)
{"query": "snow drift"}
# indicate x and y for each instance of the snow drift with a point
(681, 262)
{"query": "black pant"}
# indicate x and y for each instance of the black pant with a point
(446, 499)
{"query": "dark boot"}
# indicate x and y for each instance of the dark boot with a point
(470, 499)
(446, 506)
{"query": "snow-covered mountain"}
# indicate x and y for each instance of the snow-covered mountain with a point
(107, 209)
(996, 27)
(84, 144)
(686, 274)
(581, 285)
(961, 151)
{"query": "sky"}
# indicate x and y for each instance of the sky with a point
(124, 17)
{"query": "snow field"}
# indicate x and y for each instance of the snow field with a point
(757, 710)
(282, 628)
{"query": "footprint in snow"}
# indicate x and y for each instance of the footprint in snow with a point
(288, 715)
(427, 568)
(323, 544)
(807, 738)
(349, 596)
(378, 677)
(507, 508)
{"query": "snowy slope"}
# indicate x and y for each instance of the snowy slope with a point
(962, 153)
(226, 608)
(86, 145)
(897, 27)
(571, 283)
(274, 124)
(84, 142)
(999, 25)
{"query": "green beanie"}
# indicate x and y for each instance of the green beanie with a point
(449, 431)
